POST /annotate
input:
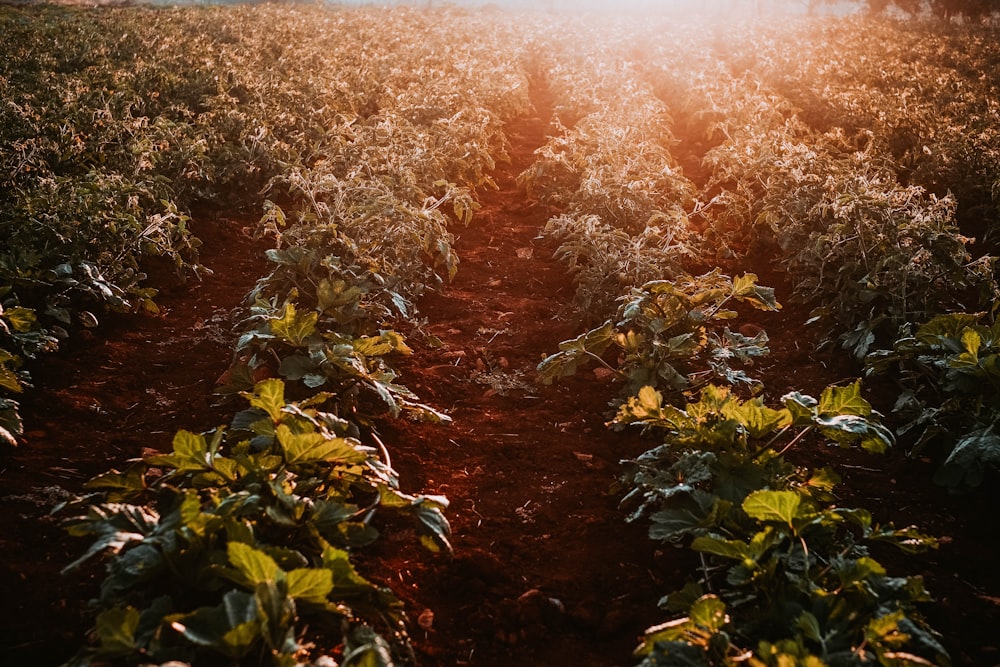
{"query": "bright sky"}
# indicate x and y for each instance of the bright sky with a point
(621, 6)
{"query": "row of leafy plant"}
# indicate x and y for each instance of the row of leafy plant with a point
(619, 196)
(241, 543)
(788, 576)
(807, 158)
(116, 125)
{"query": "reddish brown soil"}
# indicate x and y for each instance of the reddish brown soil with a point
(545, 569)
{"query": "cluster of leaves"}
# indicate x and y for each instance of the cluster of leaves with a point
(237, 538)
(234, 542)
(672, 335)
(787, 575)
(933, 110)
(948, 372)
(608, 169)
(877, 167)
(874, 253)
(859, 174)
(109, 140)
(809, 157)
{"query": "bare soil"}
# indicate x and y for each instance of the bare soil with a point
(546, 571)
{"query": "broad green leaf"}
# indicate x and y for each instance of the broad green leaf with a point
(881, 628)
(191, 453)
(21, 319)
(347, 583)
(336, 294)
(194, 519)
(943, 327)
(231, 628)
(298, 366)
(972, 342)
(647, 403)
(844, 401)
(823, 481)
(809, 626)
(758, 419)
(310, 584)
(385, 343)
(9, 381)
(252, 563)
(683, 599)
(910, 540)
(762, 298)
(965, 467)
(241, 638)
(113, 525)
(301, 448)
(132, 482)
(434, 527)
(709, 612)
(424, 413)
(293, 327)
(572, 353)
(269, 395)
(116, 630)
(968, 360)
(688, 512)
(733, 549)
(801, 408)
(227, 468)
(848, 429)
(328, 514)
(780, 506)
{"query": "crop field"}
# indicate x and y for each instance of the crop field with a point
(389, 336)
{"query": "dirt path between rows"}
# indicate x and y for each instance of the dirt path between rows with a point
(104, 398)
(546, 571)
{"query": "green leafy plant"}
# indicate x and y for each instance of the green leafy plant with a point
(948, 372)
(667, 334)
(786, 575)
(605, 260)
(230, 542)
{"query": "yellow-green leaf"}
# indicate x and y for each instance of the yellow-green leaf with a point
(844, 401)
(255, 565)
(116, 630)
(21, 319)
(9, 381)
(269, 396)
(316, 447)
(294, 327)
(782, 506)
(311, 584)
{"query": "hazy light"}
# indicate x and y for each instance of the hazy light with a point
(671, 7)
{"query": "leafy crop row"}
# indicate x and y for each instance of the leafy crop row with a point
(866, 218)
(241, 536)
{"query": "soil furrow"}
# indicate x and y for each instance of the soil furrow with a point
(105, 398)
(545, 569)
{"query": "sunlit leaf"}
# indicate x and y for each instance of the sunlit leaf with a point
(294, 327)
(301, 448)
(252, 563)
(780, 506)
(310, 584)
